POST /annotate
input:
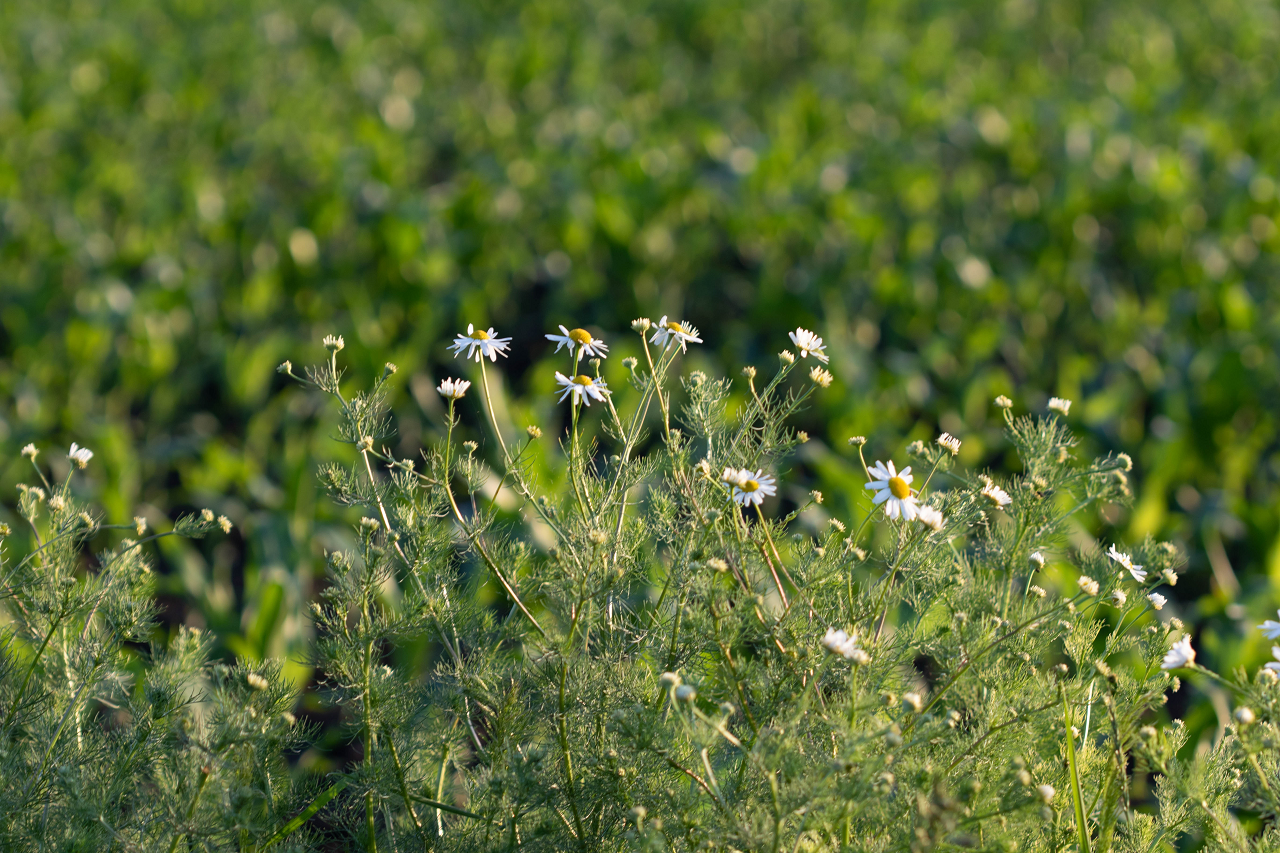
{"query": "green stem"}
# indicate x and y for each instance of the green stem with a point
(493, 418)
(1082, 829)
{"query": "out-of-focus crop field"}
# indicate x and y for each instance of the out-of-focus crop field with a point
(964, 199)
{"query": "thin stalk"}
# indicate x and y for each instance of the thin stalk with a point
(570, 784)
(1082, 829)
(205, 772)
(22, 688)
(488, 400)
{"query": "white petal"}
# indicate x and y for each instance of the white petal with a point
(882, 496)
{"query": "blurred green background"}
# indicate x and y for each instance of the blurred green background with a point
(1029, 197)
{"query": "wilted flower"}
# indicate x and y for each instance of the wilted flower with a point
(1059, 405)
(681, 332)
(453, 389)
(1180, 655)
(930, 517)
(998, 496)
(1126, 562)
(809, 344)
(1087, 585)
(893, 489)
(582, 388)
(582, 339)
(1157, 600)
(79, 455)
(479, 344)
(949, 442)
(821, 377)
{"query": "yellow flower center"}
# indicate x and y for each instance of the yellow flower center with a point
(583, 379)
(674, 326)
(580, 336)
(749, 485)
(479, 335)
(899, 488)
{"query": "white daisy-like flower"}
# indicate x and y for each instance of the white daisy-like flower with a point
(680, 331)
(1087, 585)
(1119, 598)
(1171, 578)
(844, 644)
(1047, 792)
(1271, 628)
(479, 343)
(930, 517)
(749, 488)
(1036, 559)
(893, 489)
(1274, 665)
(582, 339)
(1059, 405)
(582, 388)
(949, 443)
(809, 344)
(334, 342)
(1180, 655)
(453, 389)
(1157, 600)
(994, 493)
(79, 455)
(821, 377)
(1126, 562)
(30, 452)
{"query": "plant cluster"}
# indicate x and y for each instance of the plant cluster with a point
(668, 661)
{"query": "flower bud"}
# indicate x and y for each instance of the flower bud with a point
(641, 324)
(365, 444)
(686, 693)
(787, 357)
(857, 440)
(1245, 716)
(534, 432)
(334, 344)
(749, 372)
(1004, 402)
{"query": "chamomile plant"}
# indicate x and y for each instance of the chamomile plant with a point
(655, 651)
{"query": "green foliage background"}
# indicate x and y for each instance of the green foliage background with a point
(964, 199)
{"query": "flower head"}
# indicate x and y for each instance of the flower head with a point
(30, 452)
(930, 517)
(1059, 405)
(582, 388)
(750, 488)
(582, 339)
(1157, 600)
(1119, 598)
(821, 377)
(844, 644)
(995, 494)
(1087, 585)
(787, 357)
(641, 324)
(949, 442)
(1170, 577)
(675, 330)
(1271, 628)
(334, 343)
(79, 455)
(1046, 792)
(453, 389)
(1036, 559)
(1004, 402)
(1180, 655)
(1126, 562)
(257, 682)
(893, 489)
(480, 343)
(809, 344)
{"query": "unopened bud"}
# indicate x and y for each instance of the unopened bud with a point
(365, 444)
(1245, 716)
(749, 372)
(641, 324)
(534, 431)
(787, 357)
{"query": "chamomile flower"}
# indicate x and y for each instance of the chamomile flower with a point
(930, 517)
(1126, 562)
(582, 339)
(844, 644)
(1157, 601)
(949, 443)
(893, 489)
(453, 389)
(994, 493)
(1059, 405)
(749, 488)
(1119, 597)
(820, 377)
(1180, 655)
(79, 455)
(1087, 585)
(809, 344)
(479, 343)
(1271, 628)
(1274, 665)
(582, 388)
(672, 330)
